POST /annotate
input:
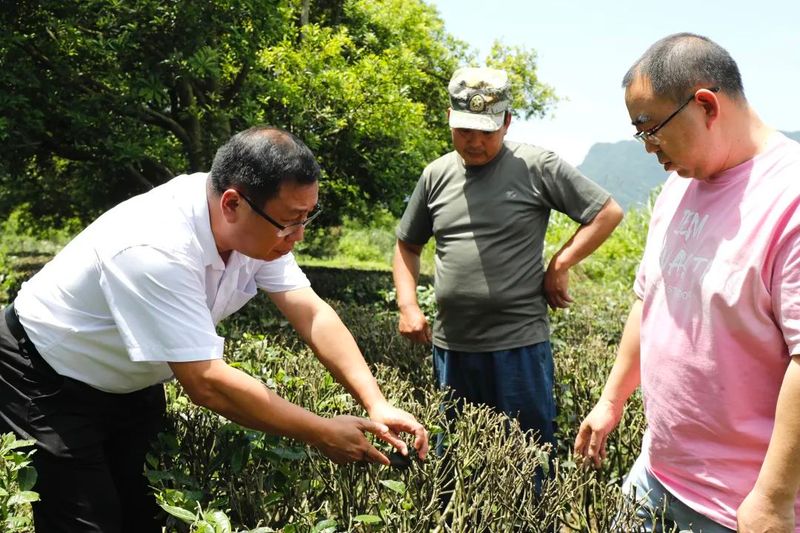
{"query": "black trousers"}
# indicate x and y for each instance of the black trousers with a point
(90, 444)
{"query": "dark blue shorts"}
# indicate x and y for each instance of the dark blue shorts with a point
(517, 382)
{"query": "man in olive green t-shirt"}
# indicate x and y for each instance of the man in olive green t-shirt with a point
(487, 205)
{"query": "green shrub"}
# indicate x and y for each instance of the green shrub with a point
(318, 242)
(208, 465)
(25, 232)
(26, 243)
(356, 244)
(210, 474)
(353, 240)
(17, 478)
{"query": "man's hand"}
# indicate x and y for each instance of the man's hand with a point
(344, 440)
(400, 421)
(413, 325)
(594, 430)
(556, 286)
(583, 242)
(760, 514)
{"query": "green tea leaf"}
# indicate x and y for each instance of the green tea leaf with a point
(25, 496)
(26, 478)
(398, 486)
(178, 512)
(368, 519)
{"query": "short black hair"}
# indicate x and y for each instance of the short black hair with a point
(678, 63)
(257, 161)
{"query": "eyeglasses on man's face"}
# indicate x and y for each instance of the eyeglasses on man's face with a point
(651, 135)
(284, 230)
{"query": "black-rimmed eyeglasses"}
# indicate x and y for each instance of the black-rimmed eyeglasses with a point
(650, 136)
(283, 229)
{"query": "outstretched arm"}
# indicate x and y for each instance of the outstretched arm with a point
(622, 381)
(770, 504)
(321, 328)
(582, 243)
(245, 400)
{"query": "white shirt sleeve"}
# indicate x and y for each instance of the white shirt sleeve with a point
(281, 275)
(157, 299)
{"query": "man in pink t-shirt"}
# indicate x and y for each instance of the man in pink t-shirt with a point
(714, 336)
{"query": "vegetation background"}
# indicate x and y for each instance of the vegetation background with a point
(103, 99)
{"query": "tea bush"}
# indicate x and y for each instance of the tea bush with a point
(17, 478)
(212, 475)
(206, 465)
(356, 244)
(482, 481)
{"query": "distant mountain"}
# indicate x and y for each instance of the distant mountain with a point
(627, 171)
(793, 135)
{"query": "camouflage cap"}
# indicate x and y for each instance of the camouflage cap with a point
(479, 98)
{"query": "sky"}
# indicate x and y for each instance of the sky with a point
(584, 48)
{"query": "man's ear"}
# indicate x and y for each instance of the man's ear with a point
(229, 203)
(507, 119)
(710, 102)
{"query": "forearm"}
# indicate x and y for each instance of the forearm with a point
(321, 328)
(405, 271)
(246, 401)
(338, 351)
(625, 375)
(779, 479)
(589, 237)
(622, 381)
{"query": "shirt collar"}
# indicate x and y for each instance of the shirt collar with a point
(202, 222)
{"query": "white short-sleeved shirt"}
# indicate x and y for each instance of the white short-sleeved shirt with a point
(142, 286)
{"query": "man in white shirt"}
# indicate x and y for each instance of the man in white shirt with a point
(133, 301)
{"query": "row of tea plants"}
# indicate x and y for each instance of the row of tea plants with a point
(211, 475)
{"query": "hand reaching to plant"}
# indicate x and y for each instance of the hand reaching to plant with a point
(400, 421)
(593, 433)
(344, 440)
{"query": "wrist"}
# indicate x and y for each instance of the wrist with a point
(316, 431)
(407, 306)
(776, 492)
(560, 263)
(374, 403)
(616, 406)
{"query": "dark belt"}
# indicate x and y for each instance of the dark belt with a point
(16, 329)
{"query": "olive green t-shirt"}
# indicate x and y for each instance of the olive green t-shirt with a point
(489, 224)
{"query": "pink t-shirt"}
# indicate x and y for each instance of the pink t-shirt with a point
(720, 283)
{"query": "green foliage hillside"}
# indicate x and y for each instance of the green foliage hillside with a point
(103, 99)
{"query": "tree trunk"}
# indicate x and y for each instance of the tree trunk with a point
(188, 119)
(304, 13)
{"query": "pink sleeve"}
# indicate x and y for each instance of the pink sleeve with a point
(638, 282)
(785, 288)
(670, 194)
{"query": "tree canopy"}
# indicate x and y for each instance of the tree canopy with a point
(103, 99)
